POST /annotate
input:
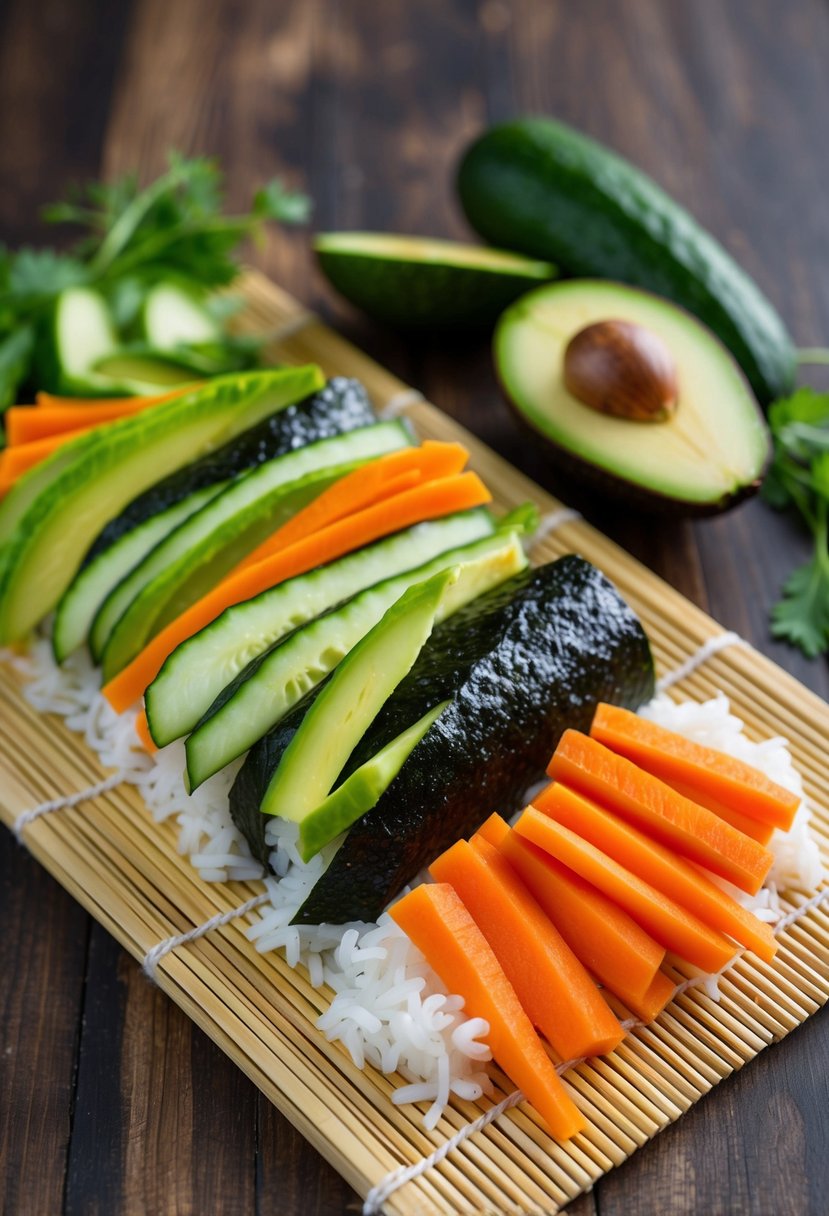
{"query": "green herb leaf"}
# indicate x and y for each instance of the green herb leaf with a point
(802, 615)
(274, 202)
(15, 358)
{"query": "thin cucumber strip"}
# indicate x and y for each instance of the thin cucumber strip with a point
(200, 668)
(232, 523)
(94, 582)
(52, 516)
(172, 316)
(275, 682)
(345, 707)
(362, 790)
(81, 332)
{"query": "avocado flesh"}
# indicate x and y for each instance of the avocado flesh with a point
(361, 791)
(713, 450)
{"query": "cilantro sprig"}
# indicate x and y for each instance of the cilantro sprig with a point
(130, 237)
(799, 478)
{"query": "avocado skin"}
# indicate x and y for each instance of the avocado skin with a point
(522, 664)
(341, 406)
(537, 186)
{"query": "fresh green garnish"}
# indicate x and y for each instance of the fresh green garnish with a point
(799, 478)
(172, 230)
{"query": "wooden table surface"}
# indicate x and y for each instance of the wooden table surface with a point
(110, 1100)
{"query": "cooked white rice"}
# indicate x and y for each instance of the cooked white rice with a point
(388, 1009)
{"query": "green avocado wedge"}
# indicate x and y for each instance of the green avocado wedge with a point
(53, 514)
(349, 701)
(424, 283)
(538, 186)
(362, 789)
(707, 456)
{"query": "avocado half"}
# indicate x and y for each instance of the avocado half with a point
(416, 282)
(707, 457)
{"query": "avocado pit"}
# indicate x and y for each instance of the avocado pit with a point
(622, 369)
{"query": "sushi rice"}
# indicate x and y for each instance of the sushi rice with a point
(388, 1008)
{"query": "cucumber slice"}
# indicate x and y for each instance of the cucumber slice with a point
(204, 548)
(81, 331)
(272, 684)
(95, 581)
(362, 790)
(52, 515)
(346, 706)
(199, 669)
(172, 316)
(142, 373)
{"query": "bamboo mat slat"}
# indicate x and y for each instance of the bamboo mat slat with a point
(125, 870)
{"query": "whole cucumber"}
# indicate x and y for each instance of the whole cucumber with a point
(537, 186)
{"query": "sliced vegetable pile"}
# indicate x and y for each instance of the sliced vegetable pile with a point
(602, 876)
(128, 309)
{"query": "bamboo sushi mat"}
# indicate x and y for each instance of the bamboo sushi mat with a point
(125, 870)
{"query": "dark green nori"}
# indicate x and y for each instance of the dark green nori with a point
(341, 406)
(521, 664)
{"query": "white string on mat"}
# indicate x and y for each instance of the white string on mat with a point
(705, 652)
(156, 953)
(399, 403)
(68, 800)
(551, 521)
(378, 1194)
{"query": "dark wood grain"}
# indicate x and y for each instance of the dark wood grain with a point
(110, 1101)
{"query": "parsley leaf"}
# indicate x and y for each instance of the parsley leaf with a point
(799, 478)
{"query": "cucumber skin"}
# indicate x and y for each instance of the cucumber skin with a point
(537, 186)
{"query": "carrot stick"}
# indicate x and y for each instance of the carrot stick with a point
(142, 729)
(688, 828)
(659, 866)
(436, 920)
(429, 501)
(367, 485)
(553, 987)
(25, 424)
(673, 926)
(15, 461)
(605, 939)
(712, 778)
(656, 998)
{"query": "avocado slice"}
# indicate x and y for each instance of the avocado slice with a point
(362, 789)
(424, 283)
(704, 458)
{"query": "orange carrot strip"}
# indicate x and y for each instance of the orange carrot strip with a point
(50, 401)
(658, 866)
(553, 987)
(142, 729)
(428, 501)
(712, 778)
(305, 525)
(608, 941)
(656, 998)
(15, 461)
(436, 920)
(25, 424)
(374, 482)
(688, 828)
(672, 925)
